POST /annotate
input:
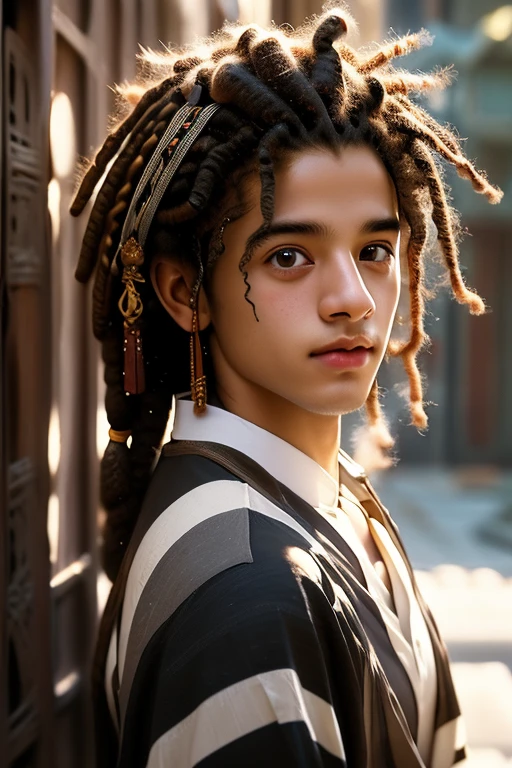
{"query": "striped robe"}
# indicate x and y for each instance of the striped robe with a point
(240, 633)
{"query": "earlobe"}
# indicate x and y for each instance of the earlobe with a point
(173, 282)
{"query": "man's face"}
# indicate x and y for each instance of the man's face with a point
(325, 278)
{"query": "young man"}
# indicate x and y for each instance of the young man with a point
(264, 610)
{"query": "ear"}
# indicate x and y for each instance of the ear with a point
(173, 281)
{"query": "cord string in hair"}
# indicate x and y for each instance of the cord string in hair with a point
(166, 159)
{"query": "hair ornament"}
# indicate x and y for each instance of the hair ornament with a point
(170, 152)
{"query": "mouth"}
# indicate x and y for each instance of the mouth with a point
(341, 349)
(344, 344)
(342, 358)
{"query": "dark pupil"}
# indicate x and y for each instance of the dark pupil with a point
(285, 258)
(370, 252)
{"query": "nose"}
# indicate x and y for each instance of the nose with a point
(343, 291)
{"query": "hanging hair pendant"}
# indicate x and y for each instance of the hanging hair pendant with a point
(168, 156)
(130, 305)
(197, 377)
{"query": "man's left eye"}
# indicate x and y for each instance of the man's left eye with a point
(375, 253)
(287, 258)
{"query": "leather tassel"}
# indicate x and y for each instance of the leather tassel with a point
(130, 305)
(134, 378)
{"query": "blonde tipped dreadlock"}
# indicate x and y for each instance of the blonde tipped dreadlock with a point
(280, 90)
(393, 50)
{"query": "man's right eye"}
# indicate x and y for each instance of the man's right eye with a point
(286, 258)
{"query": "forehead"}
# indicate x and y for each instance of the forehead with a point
(350, 184)
(340, 190)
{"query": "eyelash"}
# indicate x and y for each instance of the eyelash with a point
(388, 250)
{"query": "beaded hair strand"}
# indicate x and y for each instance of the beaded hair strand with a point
(279, 91)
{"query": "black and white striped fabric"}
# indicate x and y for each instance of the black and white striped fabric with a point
(248, 635)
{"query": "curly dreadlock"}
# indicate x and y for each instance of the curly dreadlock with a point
(280, 90)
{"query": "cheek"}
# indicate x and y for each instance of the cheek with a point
(387, 304)
(394, 293)
(277, 302)
(386, 293)
(397, 288)
(263, 348)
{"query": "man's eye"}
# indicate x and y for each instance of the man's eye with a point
(375, 253)
(288, 257)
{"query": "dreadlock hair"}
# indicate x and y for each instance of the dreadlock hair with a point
(280, 90)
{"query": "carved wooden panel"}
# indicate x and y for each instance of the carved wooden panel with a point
(27, 713)
(22, 168)
(22, 708)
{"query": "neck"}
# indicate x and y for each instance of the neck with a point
(316, 435)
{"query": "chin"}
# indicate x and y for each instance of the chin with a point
(344, 400)
(331, 406)
(333, 410)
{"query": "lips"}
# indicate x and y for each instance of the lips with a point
(344, 345)
(340, 349)
(344, 359)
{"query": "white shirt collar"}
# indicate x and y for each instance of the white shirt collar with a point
(287, 464)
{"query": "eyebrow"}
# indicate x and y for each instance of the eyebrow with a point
(370, 227)
(388, 224)
(285, 228)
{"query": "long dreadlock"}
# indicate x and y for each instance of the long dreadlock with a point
(280, 90)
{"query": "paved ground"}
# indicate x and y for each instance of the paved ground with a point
(457, 528)
(452, 517)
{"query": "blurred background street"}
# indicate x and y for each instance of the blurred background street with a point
(451, 492)
(456, 528)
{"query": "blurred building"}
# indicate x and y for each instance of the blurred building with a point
(469, 367)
